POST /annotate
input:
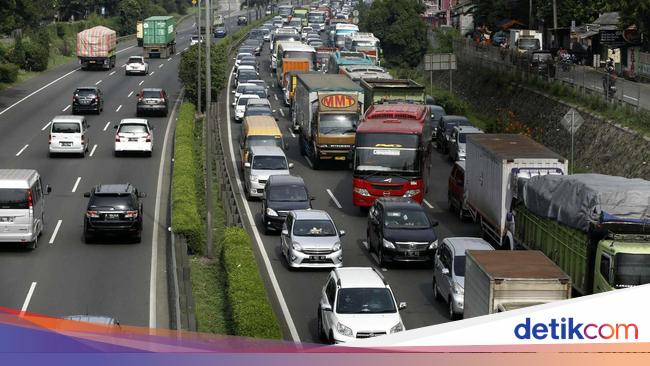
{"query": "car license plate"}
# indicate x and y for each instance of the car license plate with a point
(6, 219)
(317, 257)
(66, 143)
(91, 61)
(112, 216)
(412, 253)
(133, 139)
(339, 158)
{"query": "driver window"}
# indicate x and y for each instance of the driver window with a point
(605, 262)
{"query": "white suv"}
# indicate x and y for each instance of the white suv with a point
(356, 303)
(136, 65)
(134, 135)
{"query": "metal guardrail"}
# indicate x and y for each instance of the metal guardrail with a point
(585, 80)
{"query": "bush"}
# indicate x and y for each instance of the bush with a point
(8, 73)
(186, 220)
(251, 312)
(36, 56)
(17, 55)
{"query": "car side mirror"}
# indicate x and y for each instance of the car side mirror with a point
(142, 195)
(86, 194)
(284, 232)
(286, 144)
(311, 198)
(233, 92)
(402, 305)
(247, 165)
(342, 233)
(48, 189)
(277, 120)
(275, 110)
(290, 165)
(326, 307)
(445, 271)
(233, 104)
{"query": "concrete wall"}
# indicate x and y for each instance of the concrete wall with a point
(601, 146)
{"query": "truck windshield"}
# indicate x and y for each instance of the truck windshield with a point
(316, 18)
(364, 44)
(631, 270)
(338, 123)
(529, 44)
(285, 11)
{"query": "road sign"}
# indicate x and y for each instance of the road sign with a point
(355, 20)
(572, 120)
(355, 13)
(439, 61)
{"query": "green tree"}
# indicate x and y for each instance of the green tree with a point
(7, 18)
(637, 12)
(128, 12)
(188, 69)
(398, 25)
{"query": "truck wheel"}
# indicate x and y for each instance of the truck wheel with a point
(301, 146)
(314, 157)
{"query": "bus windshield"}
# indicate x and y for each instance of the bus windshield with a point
(387, 152)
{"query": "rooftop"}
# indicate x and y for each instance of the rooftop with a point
(359, 277)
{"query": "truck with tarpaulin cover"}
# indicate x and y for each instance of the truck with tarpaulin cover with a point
(380, 91)
(159, 36)
(96, 48)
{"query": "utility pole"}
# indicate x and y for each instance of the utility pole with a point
(198, 68)
(555, 42)
(530, 14)
(208, 127)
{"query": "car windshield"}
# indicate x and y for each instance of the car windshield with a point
(542, 57)
(13, 198)
(112, 200)
(529, 44)
(269, 162)
(132, 128)
(66, 127)
(135, 60)
(406, 219)
(247, 74)
(263, 141)
(288, 193)
(243, 101)
(365, 301)
(338, 123)
(459, 266)
(258, 111)
(85, 92)
(260, 92)
(631, 269)
(462, 138)
(151, 94)
(313, 228)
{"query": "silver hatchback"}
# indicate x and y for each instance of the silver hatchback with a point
(309, 238)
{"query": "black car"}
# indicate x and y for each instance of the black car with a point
(113, 209)
(87, 99)
(444, 129)
(152, 100)
(399, 229)
(541, 63)
(242, 20)
(243, 76)
(256, 44)
(282, 193)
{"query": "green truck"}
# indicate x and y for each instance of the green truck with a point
(592, 226)
(159, 36)
(378, 91)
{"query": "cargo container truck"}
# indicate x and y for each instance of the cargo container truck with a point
(325, 114)
(96, 48)
(378, 91)
(159, 36)
(595, 227)
(344, 58)
(497, 281)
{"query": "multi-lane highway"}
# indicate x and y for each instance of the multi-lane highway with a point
(299, 291)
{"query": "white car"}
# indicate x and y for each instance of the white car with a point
(305, 31)
(134, 135)
(136, 65)
(262, 162)
(240, 105)
(357, 302)
(240, 56)
(195, 39)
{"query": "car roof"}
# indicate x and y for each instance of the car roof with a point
(70, 118)
(17, 178)
(451, 117)
(468, 129)
(152, 89)
(398, 202)
(459, 245)
(87, 88)
(260, 101)
(311, 215)
(359, 277)
(140, 121)
(285, 179)
(113, 188)
(267, 151)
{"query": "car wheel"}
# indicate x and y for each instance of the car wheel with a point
(117, 154)
(33, 244)
(450, 203)
(452, 314)
(149, 153)
(436, 292)
(314, 157)
(137, 238)
(380, 257)
(461, 215)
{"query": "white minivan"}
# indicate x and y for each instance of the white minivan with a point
(69, 134)
(22, 206)
(262, 162)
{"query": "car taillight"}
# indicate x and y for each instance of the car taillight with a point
(30, 200)
(83, 140)
(131, 214)
(148, 138)
(139, 99)
(117, 138)
(92, 214)
(49, 139)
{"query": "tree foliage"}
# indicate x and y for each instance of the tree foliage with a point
(398, 25)
(637, 12)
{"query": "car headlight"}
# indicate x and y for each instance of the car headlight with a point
(411, 193)
(399, 327)
(271, 212)
(336, 247)
(253, 178)
(458, 289)
(296, 246)
(343, 330)
(388, 244)
(362, 191)
(433, 245)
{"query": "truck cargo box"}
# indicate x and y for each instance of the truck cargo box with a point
(97, 41)
(378, 91)
(159, 30)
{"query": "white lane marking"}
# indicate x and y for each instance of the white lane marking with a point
(92, 152)
(169, 59)
(194, 24)
(46, 126)
(309, 162)
(97, 83)
(76, 184)
(334, 198)
(153, 277)
(185, 49)
(37, 91)
(160, 66)
(30, 293)
(118, 108)
(275, 96)
(130, 94)
(123, 65)
(256, 234)
(627, 96)
(151, 73)
(291, 132)
(23, 149)
(111, 74)
(66, 108)
(427, 203)
(56, 231)
(281, 112)
(124, 49)
(107, 124)
(141, 82)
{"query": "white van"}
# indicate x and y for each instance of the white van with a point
(262, 162)
(69, 134)
(22, 206)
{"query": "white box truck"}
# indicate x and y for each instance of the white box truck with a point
(495, 163)
(497, 281)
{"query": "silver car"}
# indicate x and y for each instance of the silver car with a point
(309, 238)
(458, 141)
(449, 271)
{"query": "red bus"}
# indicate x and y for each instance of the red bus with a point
(392, 153)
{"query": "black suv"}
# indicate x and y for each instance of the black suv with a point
(113, 209)
(152, 100)
(282, 193)
(87, 99)
(399, 229)
(444, 129)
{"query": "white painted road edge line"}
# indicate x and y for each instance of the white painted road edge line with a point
(153, 276)
(46, 126)
(170, 58)
(633, 98)
(76, 184)
(111, 74)
(118, 108)
(107, 124)
(130, 94)
(37, 90)
(97, 83)
(185, 49)
(30, 293)
(282, 112)
(427, 203)
(334, 198)
(256, 234)
(21, 150)
(66, 108)
(92, 152)
(56, 230)
(124, 49)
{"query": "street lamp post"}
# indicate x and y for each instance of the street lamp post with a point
(208, 124)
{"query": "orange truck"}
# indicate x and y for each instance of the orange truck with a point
(291, 64)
